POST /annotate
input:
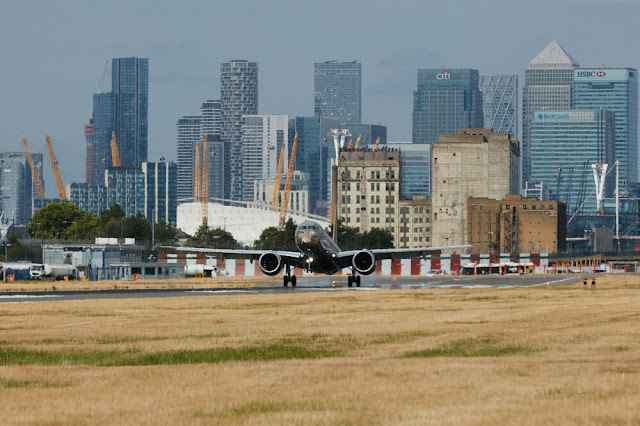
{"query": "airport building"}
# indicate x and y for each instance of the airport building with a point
(500, 103)
(548, 84)
(446, 100)
(615, 90)
(337, 89)
(564, 146)
(471, 163)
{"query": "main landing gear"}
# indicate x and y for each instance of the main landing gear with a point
(288, 277)
(353, 279)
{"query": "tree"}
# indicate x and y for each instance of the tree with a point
(56, 219)
(206, 237)
(273, 238)
(85, 227)
(377, 238)
(351, 239)
(17, 251)
(115, 212)
(137, 227)
(165, 233)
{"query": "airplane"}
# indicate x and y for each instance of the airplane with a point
(317, 252)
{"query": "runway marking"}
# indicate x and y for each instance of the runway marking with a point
(26, 296)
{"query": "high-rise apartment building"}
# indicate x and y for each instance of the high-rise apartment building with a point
(615, 90)
(130, 88)
(314, 156)
(188, 132)
(210, 113)
(160, 192)
(16, 186)
(446, 100)
(102, 129)
(337, 88)
(238, 97)
(564, 145)
(89, 135)
(500, 103)
(548, 84)
(125, 187)
(262, 139)
(472, 163)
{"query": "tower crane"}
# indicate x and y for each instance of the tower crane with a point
(114, 151)
(56, 170)
(34, 172)
(287, 185)
(205, 182)
(276, 188)
(375, 148)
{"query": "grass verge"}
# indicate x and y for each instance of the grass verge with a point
(480, 347)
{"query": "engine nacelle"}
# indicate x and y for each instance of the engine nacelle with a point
(364, 262)
(270, 263)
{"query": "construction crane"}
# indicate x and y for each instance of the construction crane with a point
(34, 172)
(358, 141)
(375, 148)
(114, 151)
(287, 185)
(350, 144)
(205, 183)
(276, 187)
(56, 170)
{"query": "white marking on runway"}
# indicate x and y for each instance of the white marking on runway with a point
(26, 296)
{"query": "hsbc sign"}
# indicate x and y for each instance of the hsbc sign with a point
(444, 75)
(587, 74)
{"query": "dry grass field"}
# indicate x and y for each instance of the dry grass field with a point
(559, 355)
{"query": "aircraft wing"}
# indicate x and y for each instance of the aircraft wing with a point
(294, 258)
(399, 253)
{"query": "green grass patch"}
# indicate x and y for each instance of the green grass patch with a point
(134, 357)
(266, 407)
(25, 384)
(485, 346)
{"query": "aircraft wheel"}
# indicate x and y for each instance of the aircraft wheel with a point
(293, 281)
(286, 280)
(349, 281)
(358, 281)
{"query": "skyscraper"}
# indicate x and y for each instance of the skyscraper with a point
(616, 90)
(188, 130)
(16, 187)
(103, 127)
(500, 103)
(160, 192)
(89, 132)
(238, 97)
(548, 84)
(210, 112)
(262, 139)
(446, 100)
(338, 91)
(130, 88)
(415, 168)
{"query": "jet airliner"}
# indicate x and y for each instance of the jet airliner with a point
(317, 252)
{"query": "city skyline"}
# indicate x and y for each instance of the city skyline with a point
(184, 67)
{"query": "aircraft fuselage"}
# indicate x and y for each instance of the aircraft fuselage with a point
(317, 247)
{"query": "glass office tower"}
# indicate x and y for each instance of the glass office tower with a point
(337, 90)
(415, 169)
(564, 145)
(500, 103)
(130, 87)
(160, 192)
(210, 112)
(616, 90)
(102, 130)
(188, 131)
(548, 84)
(446, 100)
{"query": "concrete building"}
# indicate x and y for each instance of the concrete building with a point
(262, 139)
(472, 163)
(337, 88)
(368, 194)
(515, 225)
(500, 103)
(548, 84)
(238, 97)
(414, 222)
(564, 145)
(615, 90)
(188, 131)
(446, 100)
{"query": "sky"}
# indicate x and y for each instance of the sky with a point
(53, 55)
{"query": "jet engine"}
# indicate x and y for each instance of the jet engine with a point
(364, 262)
(270, 263)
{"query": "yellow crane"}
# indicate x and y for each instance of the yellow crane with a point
(56, 171)
(276, 187)
(287, 185)
(350, 144)
(205, 182)
(358, 141)
(114, 151)
(377, 143)
(34, 172)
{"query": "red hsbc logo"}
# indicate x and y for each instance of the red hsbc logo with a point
(601, 73)
(591, 73)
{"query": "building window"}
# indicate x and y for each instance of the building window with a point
(473, 206)
(481, 206)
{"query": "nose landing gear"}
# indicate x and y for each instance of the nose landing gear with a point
(288, 277)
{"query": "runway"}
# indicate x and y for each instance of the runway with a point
(305, 284)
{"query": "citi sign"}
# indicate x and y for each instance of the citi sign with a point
(444, 75)
(553, 116)
(591, 74)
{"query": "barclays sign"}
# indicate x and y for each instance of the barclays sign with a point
(552, 116)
